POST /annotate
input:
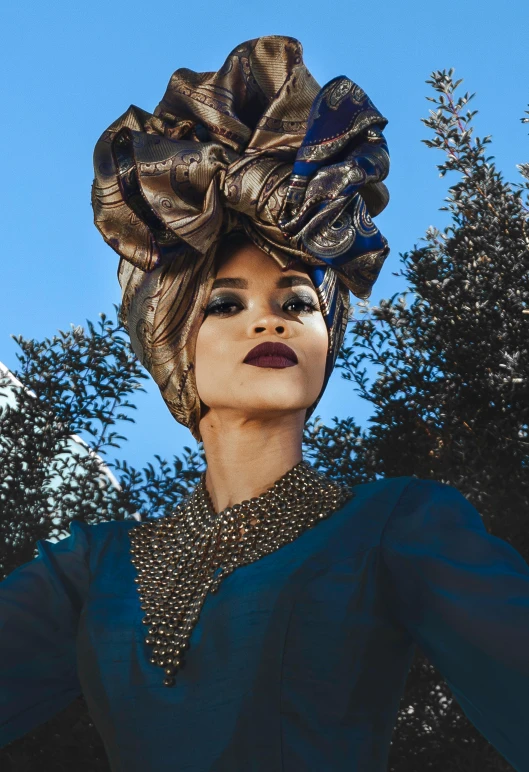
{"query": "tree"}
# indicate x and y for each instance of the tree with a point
(450, 402)
(73, 385)
(451, 394)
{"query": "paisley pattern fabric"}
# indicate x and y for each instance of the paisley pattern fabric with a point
(257, 147)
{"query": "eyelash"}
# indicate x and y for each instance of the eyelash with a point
(219, 304)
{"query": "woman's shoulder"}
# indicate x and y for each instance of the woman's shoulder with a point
(102, 531)
(425, 507)
(87, 540)
(406, 490)
(397, 508)
(382, 494)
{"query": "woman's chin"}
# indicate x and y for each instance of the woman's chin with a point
(262, 407)
(268, 392)
(274, 403)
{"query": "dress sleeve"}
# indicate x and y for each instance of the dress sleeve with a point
(40, 604)
(463, 595)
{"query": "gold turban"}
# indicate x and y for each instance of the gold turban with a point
(257, 147)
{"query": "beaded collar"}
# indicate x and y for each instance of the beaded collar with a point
(182, 557)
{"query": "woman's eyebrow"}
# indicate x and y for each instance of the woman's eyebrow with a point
(283, 281)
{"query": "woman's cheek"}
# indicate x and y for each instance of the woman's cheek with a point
(320, 344)
(214, 358)
(205, 361)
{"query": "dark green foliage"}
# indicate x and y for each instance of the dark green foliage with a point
(451, 395)
(78, 383)
(450, 402)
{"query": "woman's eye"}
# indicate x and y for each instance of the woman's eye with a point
(301, 305)
(230, 306)
(222, 307)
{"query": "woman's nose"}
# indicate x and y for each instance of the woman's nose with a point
(279, 328)
(269, 322)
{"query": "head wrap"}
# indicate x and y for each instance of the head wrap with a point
(257, 147)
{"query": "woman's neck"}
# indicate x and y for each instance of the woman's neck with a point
(245, 457)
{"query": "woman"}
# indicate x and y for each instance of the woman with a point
(270, 622)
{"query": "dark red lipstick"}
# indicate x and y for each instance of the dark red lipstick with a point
(271, 355)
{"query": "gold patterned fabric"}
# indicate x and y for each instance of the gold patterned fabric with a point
(257, 147)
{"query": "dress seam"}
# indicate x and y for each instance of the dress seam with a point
(380, 559)
(397, 503)
(294, 601)
(281, 676)
(300, 589)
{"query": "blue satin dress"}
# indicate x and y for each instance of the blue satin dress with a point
(299, 661)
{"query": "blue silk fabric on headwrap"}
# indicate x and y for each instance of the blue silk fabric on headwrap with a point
(298, 663)
(258, 147)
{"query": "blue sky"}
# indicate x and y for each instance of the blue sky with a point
(69, 69)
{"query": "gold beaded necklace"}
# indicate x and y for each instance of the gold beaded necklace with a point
(182, 557)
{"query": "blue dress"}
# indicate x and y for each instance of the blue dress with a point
(299, 661)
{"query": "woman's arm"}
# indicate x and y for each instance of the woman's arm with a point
(40, 604)
(463, 595)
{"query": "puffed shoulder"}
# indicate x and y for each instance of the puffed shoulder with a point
(434, 529)
(65, 566)
(60, 570)
(429, 503)
(463, 596)
(40, 605)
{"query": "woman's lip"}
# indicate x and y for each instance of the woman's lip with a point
(270, 361)
(271, 354)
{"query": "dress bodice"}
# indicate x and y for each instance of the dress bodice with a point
(299, 661)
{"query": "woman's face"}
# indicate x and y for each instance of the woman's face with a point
(254, 302)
